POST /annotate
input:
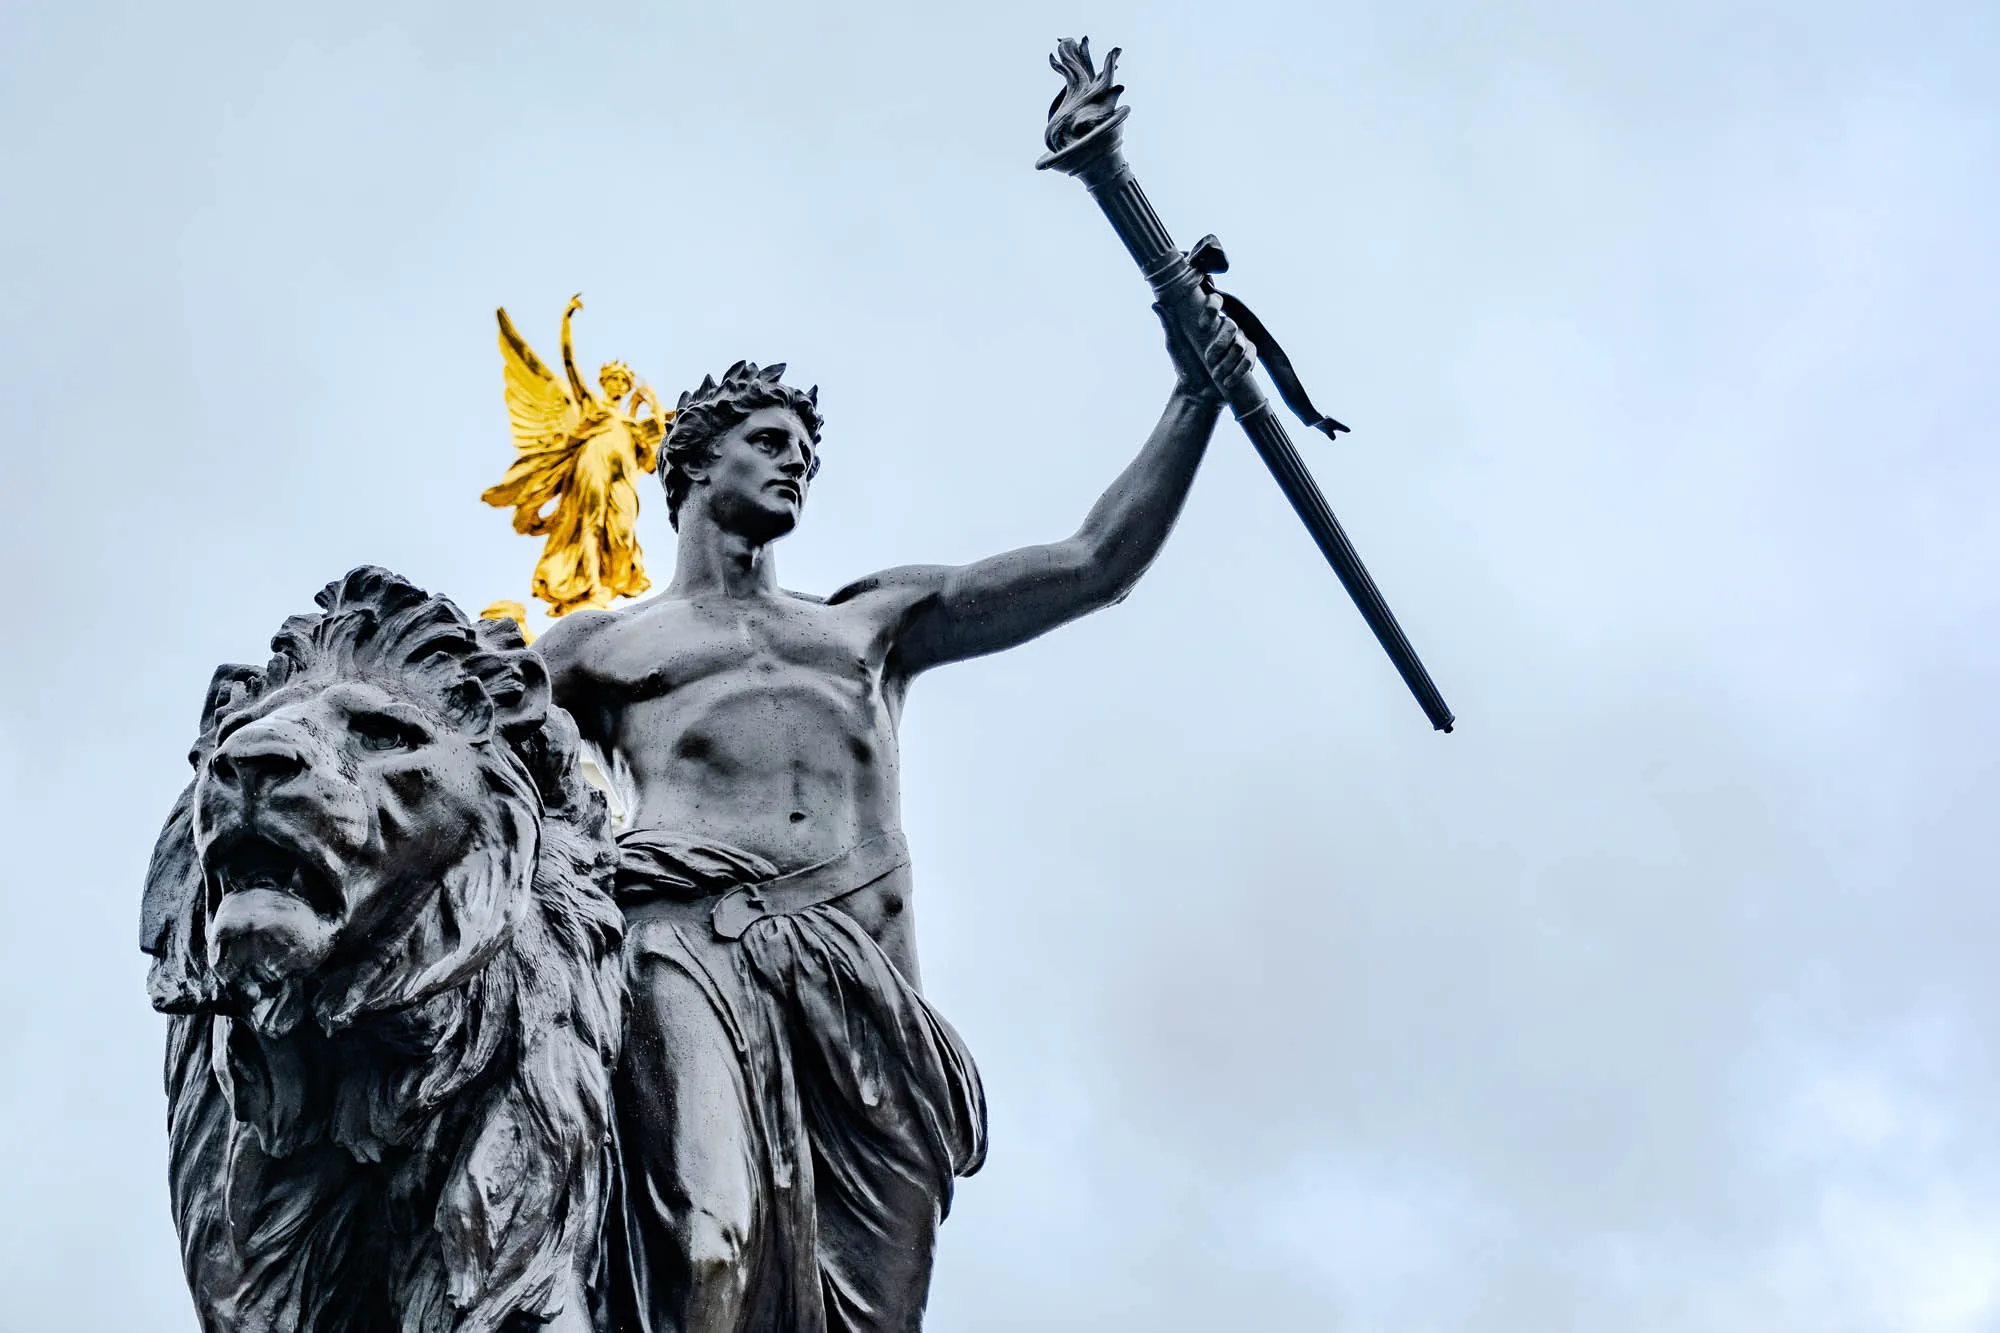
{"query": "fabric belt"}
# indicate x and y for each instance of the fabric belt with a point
(855, 869)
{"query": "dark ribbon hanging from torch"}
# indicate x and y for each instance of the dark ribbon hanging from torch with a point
(1083, 137)
(1208, 260)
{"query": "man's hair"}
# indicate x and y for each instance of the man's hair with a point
(704, 415)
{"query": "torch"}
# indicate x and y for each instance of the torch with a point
(1083, 136)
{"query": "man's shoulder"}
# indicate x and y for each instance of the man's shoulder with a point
(567, 644)
(903, 584)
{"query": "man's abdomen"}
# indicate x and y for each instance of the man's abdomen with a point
(786, 764)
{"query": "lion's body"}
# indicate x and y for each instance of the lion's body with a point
(381, 920)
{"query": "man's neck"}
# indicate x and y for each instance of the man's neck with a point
(711, 560)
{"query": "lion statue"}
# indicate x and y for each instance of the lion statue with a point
(380, 917)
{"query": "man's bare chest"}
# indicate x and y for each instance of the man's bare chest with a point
(676, 647)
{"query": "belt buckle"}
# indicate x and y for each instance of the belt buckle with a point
(738, 910)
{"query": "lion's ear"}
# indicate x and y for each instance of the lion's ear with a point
(467, 704)
(228, 687)
(518, 685)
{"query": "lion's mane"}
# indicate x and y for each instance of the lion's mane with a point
(422, 1147)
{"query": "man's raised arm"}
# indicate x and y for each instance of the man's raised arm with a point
(967, 610)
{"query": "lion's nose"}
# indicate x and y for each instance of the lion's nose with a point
(258, 758)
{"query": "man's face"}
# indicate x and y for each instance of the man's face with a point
(757, 479)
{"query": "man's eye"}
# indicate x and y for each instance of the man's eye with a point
(376, 732)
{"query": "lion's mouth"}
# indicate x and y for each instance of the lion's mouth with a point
(254, 864)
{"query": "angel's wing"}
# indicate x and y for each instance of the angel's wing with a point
(544, 419)
(537, 403)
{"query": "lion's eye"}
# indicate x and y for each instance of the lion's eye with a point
(378, 732)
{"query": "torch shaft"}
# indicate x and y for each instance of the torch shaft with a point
(1274, 446)
(1178, 288)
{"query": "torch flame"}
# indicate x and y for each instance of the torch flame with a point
(1088, 98)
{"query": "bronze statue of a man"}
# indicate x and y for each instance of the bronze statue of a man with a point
(791, 1111)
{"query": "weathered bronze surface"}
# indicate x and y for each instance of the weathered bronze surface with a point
(447, 1054)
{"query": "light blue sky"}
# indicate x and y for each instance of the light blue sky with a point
(1659, 999)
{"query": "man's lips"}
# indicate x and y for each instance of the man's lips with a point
(790, 488)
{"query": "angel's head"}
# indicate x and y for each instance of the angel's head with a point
(615, 378)
(747, 446)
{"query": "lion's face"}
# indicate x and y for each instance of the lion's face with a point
(336, 819)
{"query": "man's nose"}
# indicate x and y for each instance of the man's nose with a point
(794, 464)
(258, 757)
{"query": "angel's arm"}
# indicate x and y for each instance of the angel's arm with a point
(647, 430)
(577, 388)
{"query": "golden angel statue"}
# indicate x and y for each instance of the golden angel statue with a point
(574, 477)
